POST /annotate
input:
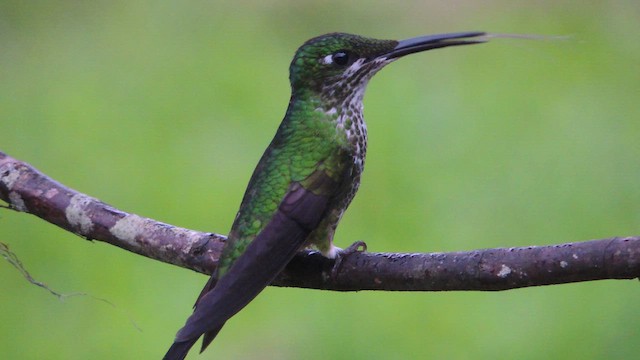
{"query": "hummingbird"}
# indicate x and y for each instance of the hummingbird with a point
(306, 177)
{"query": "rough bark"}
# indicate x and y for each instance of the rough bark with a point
(27, 190)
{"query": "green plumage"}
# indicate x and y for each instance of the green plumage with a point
(306, 142)
(309, 140)
(307, 176)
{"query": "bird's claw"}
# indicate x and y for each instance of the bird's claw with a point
(342, 254)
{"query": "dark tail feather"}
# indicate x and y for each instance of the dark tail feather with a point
(263, 259)
(208, 337)
(179, 350)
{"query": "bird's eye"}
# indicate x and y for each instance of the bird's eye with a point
(340, 58)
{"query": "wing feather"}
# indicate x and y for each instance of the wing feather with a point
(264, 258)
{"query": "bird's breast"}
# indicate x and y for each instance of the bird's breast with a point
(352, 123)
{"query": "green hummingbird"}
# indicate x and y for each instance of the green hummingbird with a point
(307, 176)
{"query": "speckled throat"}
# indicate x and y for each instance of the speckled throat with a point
(343, 97)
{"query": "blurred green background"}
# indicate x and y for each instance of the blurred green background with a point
(164, 108)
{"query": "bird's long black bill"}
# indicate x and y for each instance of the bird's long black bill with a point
(428, 42)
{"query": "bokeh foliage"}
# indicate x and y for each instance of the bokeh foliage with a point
(163, 109)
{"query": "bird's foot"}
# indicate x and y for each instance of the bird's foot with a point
(343, 253)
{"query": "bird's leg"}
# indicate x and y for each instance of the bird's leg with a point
(343, 253)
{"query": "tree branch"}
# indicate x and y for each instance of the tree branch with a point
(26, 189)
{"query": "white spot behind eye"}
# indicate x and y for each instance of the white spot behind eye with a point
(327, 60)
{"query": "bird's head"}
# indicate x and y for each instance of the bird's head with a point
(339, 65)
